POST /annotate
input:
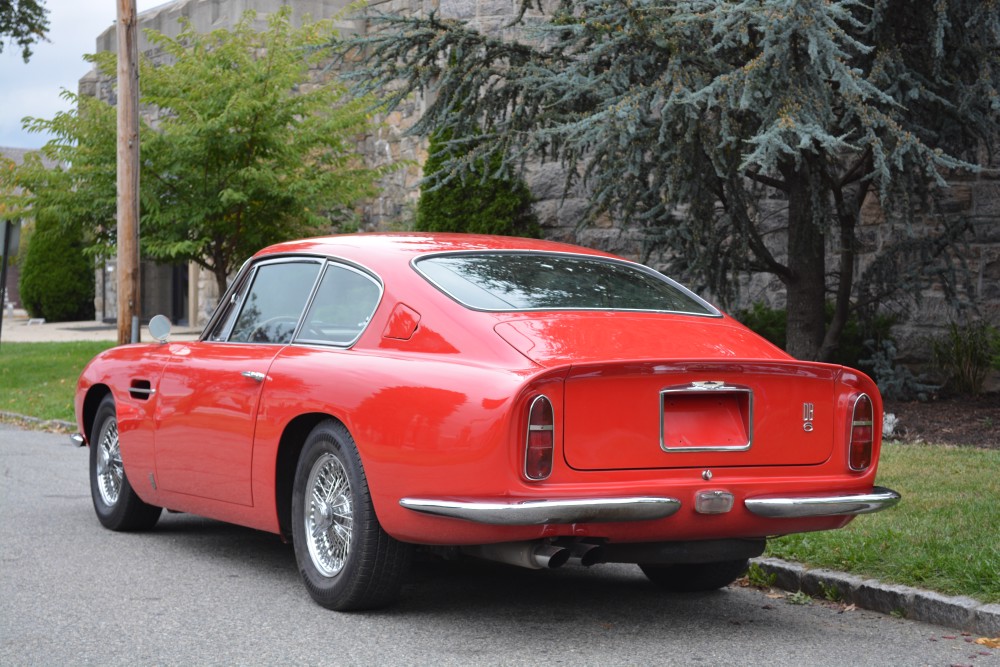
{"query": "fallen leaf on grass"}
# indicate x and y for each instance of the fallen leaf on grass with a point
(988, 642)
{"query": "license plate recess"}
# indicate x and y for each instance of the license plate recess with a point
(706, 417)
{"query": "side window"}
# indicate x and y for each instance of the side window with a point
(227, 310)
(274, 303)
(344, 303)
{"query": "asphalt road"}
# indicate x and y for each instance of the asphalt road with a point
(197, 592)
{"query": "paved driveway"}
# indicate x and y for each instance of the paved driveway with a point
(197, 592)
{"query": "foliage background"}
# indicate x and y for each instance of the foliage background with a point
(685, 118)
(246, 149)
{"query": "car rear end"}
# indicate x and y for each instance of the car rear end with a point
(654, 434)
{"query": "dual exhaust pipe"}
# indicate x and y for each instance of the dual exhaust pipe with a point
(537, 555)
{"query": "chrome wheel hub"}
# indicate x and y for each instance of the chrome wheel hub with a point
(329, 520)
(109, 464)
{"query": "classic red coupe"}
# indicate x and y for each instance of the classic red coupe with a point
(522, 401)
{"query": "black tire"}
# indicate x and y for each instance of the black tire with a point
(117, 505)
(695, 577)
(346, 560)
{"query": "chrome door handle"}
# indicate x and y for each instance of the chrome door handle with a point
(254, 375)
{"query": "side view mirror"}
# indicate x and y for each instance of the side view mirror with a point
(159, 328)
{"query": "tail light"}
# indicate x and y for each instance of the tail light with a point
(540, 439)
(862, 433)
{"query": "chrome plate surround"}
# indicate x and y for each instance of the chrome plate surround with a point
(703, 388)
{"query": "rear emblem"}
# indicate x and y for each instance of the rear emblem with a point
(807, 417)
(709, 385)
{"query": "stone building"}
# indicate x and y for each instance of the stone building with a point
(187, 294)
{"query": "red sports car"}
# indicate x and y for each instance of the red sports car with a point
(522, 401)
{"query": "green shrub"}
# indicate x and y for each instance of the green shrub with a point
(855, 342)
(966, 354)
(765, 321)
(480, 203)
(57, 279)
(895, 381)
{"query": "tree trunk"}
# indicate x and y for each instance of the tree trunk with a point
(806, 283)
(221, 281)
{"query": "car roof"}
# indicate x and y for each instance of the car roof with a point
(405, 246)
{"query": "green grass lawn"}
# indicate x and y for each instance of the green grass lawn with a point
(944, 535)
(39, 379)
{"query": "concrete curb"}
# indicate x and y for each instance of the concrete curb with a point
(55, 425)
(959, 612)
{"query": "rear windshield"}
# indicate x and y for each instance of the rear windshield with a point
(505, 281)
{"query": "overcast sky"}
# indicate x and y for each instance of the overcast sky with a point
(33, 89)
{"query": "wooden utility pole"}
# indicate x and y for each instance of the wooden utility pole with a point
(128, 174)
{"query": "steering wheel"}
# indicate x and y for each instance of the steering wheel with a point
(260, 334)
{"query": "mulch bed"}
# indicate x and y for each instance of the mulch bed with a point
(962, 421)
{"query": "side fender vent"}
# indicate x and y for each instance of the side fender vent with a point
(141, 390)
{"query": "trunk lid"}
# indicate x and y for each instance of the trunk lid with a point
(654, 391)
(575, 338)
(698, 414)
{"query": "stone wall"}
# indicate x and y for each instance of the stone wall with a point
(974, 197)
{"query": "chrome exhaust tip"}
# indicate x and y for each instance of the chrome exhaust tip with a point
(586, 554)
(532, 555)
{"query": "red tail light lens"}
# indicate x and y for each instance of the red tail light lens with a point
(540, 440)
(862, 433)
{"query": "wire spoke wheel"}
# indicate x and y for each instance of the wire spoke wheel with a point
(347, 561)
(329, 521)
(109, 464)
(117, 504)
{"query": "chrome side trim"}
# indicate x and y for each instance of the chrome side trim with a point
(77, 440)
(834, 504)
(540, 512)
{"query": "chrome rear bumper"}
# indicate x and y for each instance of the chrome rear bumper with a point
(540, 512)
(834, 504)
(643, 508)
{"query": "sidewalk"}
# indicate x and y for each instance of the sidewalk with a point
(18, 328)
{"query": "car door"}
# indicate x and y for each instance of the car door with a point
(210, 391)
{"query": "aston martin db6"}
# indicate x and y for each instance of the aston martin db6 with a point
(522, 401)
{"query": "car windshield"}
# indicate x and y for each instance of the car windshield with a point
(506, 281)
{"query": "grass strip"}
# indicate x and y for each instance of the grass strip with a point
(943, 536)
(39, 379)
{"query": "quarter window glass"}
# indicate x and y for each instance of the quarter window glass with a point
(342, 308)
(538, 281)
(274, 303)
(228, 309)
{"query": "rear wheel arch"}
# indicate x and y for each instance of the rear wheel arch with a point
(293, 439)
